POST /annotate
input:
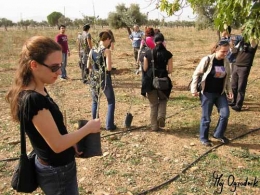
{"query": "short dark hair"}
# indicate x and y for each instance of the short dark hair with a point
(86, 27)
(62, 25)
(158, 37)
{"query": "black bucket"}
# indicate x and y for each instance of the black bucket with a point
(90, 145)
(128, 120)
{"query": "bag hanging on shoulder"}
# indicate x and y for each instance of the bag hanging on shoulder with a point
(199, 87)
(159, 83)
(24, 178)
(142, 52)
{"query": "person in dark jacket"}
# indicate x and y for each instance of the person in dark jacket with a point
(241, 70)
(163, 66)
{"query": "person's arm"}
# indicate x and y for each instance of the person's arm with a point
(145, 64)
(253, 43)
(57, 39)
(78, 43)
(89, 62)
(46, 126)
(131, 37)
(228, 79)
(108, 59)
(68, 50)
(170, 65)
(198, 71)
(89, 43)
(138, 55)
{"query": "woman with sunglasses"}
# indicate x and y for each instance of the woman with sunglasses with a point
(31, 105)
(216, 88)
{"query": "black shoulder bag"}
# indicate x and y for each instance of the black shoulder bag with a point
(24, 178)
(159, 83)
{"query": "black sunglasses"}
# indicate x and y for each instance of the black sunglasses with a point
(54, 68)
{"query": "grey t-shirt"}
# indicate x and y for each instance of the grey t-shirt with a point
(84, 47)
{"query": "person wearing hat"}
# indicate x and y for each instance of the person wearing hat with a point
(84, 47)
(162, 67)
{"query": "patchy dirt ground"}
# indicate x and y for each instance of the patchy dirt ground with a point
(135, 160)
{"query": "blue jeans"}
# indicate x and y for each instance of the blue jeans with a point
(110, 95)
(64, 65)
(208, 100)
(60, 180)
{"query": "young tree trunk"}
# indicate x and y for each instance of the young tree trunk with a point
(128, 30)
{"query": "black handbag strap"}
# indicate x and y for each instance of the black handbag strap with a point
(152, 63)
(22, 134)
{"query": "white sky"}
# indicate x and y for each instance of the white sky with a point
(38, 10)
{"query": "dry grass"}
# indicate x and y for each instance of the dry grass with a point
(139, 160)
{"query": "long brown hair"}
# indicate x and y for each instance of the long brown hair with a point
(104, 35)
(35, 48)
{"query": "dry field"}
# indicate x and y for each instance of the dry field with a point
(137, 161)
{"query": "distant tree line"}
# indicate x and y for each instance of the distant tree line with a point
(123, 17)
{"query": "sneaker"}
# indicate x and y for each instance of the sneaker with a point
(223, 139)
(236, 108)
(161, 122)
(207, 143)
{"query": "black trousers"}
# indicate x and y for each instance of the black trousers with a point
(239, 82)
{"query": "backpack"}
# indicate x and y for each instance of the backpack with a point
(199, 87)
(98, 59)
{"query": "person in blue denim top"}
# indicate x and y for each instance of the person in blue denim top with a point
(234, 41)
(100, 66)
(216, 88)
(43, 122)
(136, 38)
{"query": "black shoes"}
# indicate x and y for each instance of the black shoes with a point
(207, 143)
(223, 140)
(161, 122)
(236, 108)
